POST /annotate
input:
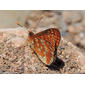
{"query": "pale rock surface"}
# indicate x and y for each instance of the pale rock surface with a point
(16, 56)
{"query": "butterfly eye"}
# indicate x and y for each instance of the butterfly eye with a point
(31, 33)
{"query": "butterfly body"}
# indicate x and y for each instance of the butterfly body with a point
(44, 44)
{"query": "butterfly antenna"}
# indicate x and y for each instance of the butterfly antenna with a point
(19, 24)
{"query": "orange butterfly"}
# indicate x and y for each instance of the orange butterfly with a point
(45, 44)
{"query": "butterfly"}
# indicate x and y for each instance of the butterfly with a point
(45, 44)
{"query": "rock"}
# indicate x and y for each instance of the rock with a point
(21, 59)
(42, 19)
(72, 16)
(75, 28)
(16, 36)
(83, 20)
(71, 29)
(62, 24)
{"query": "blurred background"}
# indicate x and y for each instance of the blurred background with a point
(70, 23)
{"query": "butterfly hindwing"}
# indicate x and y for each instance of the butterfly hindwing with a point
(43, 50)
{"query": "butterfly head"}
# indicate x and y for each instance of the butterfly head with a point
(30, 33)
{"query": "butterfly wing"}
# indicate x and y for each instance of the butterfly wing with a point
(43, 50)
(51, 35)
(44, 44)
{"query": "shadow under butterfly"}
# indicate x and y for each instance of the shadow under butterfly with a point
(57, 65)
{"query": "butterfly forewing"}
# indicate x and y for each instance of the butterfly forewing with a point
(50, 35)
